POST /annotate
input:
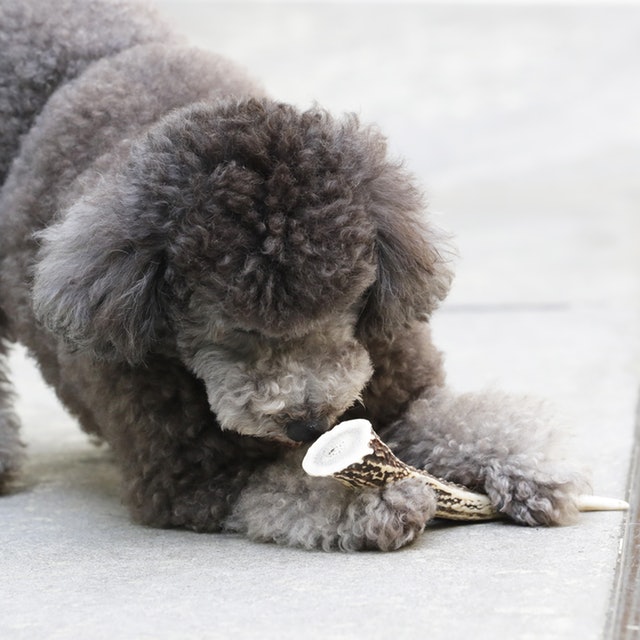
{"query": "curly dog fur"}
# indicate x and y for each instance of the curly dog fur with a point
(210, 279)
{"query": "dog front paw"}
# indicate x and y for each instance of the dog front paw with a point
(535, 497)
(284, 505)
(386, 519)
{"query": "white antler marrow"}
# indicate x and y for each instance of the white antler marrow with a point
(353, 454)
(346, 443)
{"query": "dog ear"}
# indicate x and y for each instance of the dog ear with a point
(413, 256)
(98, 280)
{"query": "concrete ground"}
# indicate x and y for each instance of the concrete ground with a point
(523, 124)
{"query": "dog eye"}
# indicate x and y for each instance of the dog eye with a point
(246, 332)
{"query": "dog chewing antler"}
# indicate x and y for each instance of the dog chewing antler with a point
(353, 454)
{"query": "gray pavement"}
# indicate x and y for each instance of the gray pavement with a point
(523, 124)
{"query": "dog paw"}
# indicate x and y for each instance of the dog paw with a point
(282, 505)
(9, 467)
(386, 519)
(536, 497)
(11, 457)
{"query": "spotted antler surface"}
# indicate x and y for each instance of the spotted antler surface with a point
(354, 454)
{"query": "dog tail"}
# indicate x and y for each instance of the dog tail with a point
(45, 44)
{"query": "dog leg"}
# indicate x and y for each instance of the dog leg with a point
(11, 453)
(178, 468)
(493, 443)
(282, 504)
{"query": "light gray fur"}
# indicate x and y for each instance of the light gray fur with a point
(253, 381)
(203, 273)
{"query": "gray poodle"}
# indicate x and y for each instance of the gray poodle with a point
(210, 279)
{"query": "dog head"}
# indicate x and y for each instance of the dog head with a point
(262, 245)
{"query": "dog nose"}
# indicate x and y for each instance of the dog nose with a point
(305, 430)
